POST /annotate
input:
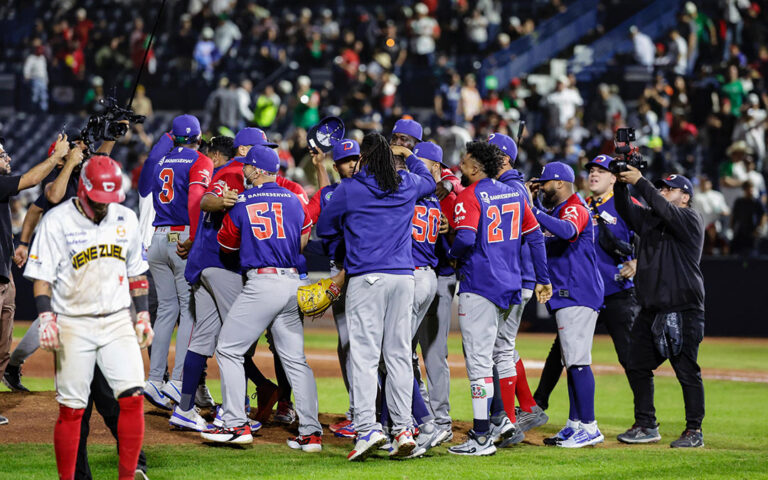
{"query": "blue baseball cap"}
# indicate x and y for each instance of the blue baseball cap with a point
(556, 171)
(505, 144)
(186, 126)
(263, 157)
(252, 136)
(344, 149)
(677, 181)
(430, 151)
(408, 127)
(602, 161)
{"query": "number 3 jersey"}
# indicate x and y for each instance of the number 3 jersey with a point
(500, 216)
(88, 265)
(174, 173)
(266, 225)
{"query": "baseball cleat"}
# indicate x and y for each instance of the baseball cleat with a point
(403, 444)
(172, 390)
(237, 435)
(447, 434)
(153, 393)
(430, 437)
(203, 397)
(366, 444)
(387, 447)
(188, 420)
(3, 420)
(306, 443)
(501, 429)
(583, 437)
(689, 439)
(217, 421)
(476, 445)
(140, 475)
(346, 432)
(338, 426)
(266, 397)
(638, 434)
(255, 425)
(285, 413)
(564, 433)
(530, 420)
(12, 379)
(515, 436)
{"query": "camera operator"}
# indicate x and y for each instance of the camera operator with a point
(670, 290)
(10, 185)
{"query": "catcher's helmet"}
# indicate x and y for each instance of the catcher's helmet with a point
(101, 181)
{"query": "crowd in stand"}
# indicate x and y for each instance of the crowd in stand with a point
(703, 113)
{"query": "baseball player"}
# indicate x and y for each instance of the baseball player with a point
(617, 267)
(87, 265)
(491, 218)
(578, 295)
(379, 198)
(180, 179)
(269, 227)
(345, 155)
(510, 369)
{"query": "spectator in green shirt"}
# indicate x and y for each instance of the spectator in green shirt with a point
(734, 90)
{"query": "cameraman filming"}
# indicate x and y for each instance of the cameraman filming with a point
(670, 290)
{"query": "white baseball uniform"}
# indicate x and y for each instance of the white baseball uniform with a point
(88, 266)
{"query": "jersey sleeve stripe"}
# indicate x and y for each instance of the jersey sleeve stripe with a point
(468, 227)
(234, 249)
(531, 229)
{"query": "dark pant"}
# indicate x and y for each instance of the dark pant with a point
(618, 315)
(107, 406)
(644, 358)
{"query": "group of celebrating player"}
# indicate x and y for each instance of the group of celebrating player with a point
(223, 236)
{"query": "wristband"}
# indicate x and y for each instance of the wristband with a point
(139, 284)
(141, 302)
(43, 304)
(22, 242)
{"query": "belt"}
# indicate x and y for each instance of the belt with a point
(275, 270)
(173, 231)
(424, 268)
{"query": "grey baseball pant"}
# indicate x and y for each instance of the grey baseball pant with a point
(214, 295)
(479, 320)
(342, 349)
(576, 329)
(172, 304)
(379, 312)
(504, 352)
(433, 338)
(266, 301)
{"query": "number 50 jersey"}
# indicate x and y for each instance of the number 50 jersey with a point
(501, 216)
(266, 225)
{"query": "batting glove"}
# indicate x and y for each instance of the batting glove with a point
(144, 332)
(48, 330)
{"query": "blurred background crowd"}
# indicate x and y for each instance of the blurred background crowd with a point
(692, 85)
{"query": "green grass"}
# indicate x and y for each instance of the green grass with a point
(734, 434)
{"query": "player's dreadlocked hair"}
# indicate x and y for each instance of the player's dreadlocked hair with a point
(487, 155)
(377, 158)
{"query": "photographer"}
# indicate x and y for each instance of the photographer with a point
(670, 290)
(10, 185)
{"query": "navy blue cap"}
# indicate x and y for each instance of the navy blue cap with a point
(602, 161)
(408, 127)
(677, 181)
(262, 157)
(430, 151)
(326, 134)
(505, 144)
(344, 149)
(252, 136)
(186, 126)
(557, 171)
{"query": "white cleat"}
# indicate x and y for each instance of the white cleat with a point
(188, 420)
(172, 390)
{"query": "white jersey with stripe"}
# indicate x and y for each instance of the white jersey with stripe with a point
(87, 264)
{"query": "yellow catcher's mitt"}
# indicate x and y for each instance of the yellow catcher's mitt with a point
(316, 298)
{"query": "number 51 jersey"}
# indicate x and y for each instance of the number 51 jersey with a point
(266, 225)
(501, 216)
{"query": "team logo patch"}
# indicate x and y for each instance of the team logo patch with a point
(108, 186)
(600, 159)
(478, 391)
(459, 208)
(564, 293)
(347, 146)
(120, 231)
(328, 195)
(484, 197)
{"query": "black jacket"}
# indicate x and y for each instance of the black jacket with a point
(668, 277)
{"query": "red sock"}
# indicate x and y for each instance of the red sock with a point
(508, 396)
(522, 390)
(130, 434)
(66, 438)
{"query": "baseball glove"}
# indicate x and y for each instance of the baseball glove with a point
(316, 298)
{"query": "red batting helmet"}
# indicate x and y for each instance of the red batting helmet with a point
(101, 180)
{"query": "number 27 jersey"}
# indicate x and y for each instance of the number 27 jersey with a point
(500, 216)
